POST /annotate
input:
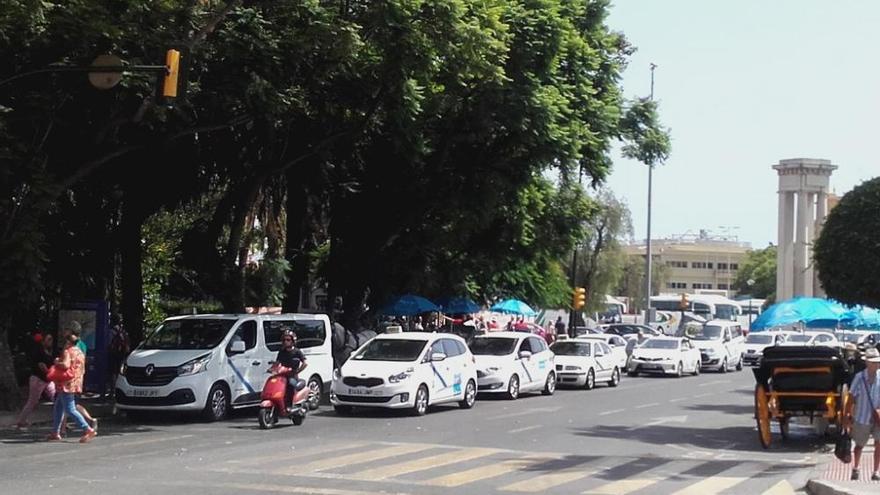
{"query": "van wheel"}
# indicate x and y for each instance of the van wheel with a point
(513, 387)
(550, 384)
(615, 377)
(470, 395)
(315, 388)
(697, 369)
(217, 405)
(421, 402)
(590, 381)
(679, 370)
(724, 368)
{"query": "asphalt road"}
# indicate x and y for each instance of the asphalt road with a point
(649, 435)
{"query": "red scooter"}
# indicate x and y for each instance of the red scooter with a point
(272, 404)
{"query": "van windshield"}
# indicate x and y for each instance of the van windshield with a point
(309, 333)
(195, 333)
(708, 332)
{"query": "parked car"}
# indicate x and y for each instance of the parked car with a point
(861, 338)
(631, 330)
(410, 370)
(616, 343)
(665, 355)
(582, 362)
(212, 363)
(721, 344)
(812, 338)
(510, 363)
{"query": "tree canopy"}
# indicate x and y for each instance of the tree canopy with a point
(846, 251)
(760, 267)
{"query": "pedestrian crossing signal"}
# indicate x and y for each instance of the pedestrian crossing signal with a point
(580, 298)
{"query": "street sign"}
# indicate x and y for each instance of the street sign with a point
(106, 80)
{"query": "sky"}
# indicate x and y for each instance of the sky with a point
(743, 84)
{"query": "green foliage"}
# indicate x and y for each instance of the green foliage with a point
(759, 266)
(632, 281)
(647, 141)
(846, 251)
(266, 282)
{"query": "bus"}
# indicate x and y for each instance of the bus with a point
(709, 306)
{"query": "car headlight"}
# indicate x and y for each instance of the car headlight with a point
(337, 375)
(398, 377)
(123, 369)
(195, 366)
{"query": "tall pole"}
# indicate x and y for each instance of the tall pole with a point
(648, 241)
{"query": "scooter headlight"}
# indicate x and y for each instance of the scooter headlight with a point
(195, 366)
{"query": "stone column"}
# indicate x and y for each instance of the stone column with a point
(810, 221)
(801, 242)
(821, 212)
(780, 247)
(787, 247)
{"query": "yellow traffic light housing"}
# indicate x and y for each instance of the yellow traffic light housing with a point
(579, 300)
(172, 65)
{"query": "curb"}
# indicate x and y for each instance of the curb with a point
(824, 487)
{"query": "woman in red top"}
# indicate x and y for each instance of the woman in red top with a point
(65, 401)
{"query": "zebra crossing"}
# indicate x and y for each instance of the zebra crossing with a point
(377, 467)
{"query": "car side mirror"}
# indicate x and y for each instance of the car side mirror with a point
(525, 354)
(726, 339)
(438, 356)
(237, 347)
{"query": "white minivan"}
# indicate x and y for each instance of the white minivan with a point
(211, 363)
(721, 344)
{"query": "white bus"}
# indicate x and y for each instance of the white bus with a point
(709, 306)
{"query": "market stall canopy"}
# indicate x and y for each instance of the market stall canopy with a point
(459, 305)
(513, 307)
(861, 318)
(409, 305)
(809, 311)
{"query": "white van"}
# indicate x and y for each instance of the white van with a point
(211, 363)
(721, 344)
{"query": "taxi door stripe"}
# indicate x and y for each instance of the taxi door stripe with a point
(526, 369)
(553, 479)
(412, 466)
(246, 384)
(485, 472)
(437, 373)
(355, 458)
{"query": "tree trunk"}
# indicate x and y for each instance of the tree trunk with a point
(296, 251)
(131, 254)
(10, 393)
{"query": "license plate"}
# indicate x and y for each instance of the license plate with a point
(144, 392)
(651, 366)
(359, 391)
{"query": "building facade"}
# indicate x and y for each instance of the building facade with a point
(696, 262)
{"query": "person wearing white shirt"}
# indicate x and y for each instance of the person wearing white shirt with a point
(865, 390)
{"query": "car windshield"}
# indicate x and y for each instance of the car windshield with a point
(725, 311)
(660, 344)
(493, 346)
(391, 350)
(624, 329)
(849, 337)
(801, 338)
(571, 349)
(194, 333)
(708, 332)
(755, 338)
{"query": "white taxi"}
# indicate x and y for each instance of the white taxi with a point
(583, 361)
(616, 344)
(513, 362)
(411, 370)
(665, 355)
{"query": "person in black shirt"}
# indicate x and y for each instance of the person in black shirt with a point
(41, 358)
(290, 357)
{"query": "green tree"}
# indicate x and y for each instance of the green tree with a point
(760, 267)
(846, 251)
(632, 281)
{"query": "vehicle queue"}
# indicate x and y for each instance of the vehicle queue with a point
(212, 364)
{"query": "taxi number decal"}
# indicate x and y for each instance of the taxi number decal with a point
(456, 384)
(542, 365)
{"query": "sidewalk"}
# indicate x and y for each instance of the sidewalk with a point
(833, 478)
(97, 406)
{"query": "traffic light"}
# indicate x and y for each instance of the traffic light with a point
(580, 298)
(172, 64)
(684, 303)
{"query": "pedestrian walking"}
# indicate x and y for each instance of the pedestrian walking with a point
(75, 326)
(864, 416)
(41, 357)
(71, 363)
(560, 326)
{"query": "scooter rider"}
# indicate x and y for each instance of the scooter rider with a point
(291, 357)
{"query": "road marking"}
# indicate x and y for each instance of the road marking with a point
(485, 472)
(527, 428)
(622, 487)
(551, 480)
(781, 488)
(713, 484)
(613, 411)
(105, 446)
(702, 395)
(643, 406)
(265, 487)
(309, 451)
(678, 400)
(533, 410)
(356, 458)
(399, 469)
(660, 421)
(716, 382)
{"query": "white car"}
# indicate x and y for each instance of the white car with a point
(665, 355)
(756, 342)
(584, 361)
(858, 337)
(616, 344)
(513, 362)
(411, 370)
(812, 338)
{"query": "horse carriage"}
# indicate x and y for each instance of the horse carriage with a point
(800, 381)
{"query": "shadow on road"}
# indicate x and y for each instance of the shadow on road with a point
(737, 409)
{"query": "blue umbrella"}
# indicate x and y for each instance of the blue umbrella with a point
(861, 317)
(513, 306)
(409, 305)
(459, 305)
(812, 312)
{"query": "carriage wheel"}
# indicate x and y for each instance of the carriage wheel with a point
(762, 415)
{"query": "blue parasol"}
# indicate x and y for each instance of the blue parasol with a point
(513, 306)
(459, 305)
(409, 305)
(810, 311)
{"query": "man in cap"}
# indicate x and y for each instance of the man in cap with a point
(864, 414)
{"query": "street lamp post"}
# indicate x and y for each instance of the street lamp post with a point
(750, 282)
(648, 315)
